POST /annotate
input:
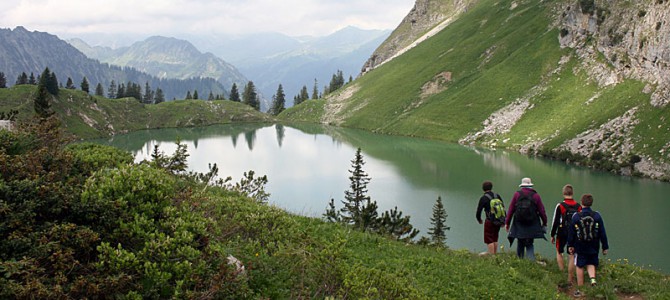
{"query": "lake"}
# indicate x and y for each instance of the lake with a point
(307, 165)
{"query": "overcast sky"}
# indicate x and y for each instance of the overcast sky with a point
(174, 17)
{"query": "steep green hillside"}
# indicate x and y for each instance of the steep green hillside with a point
(497, 76)
(91, 116)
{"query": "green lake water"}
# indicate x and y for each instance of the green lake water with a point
(307, 165)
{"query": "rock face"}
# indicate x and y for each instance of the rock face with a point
(633, 37)
(424, 16)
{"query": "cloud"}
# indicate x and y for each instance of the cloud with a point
(292, 17)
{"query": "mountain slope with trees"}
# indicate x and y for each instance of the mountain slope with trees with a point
(23, 51)
(166, 57)
(564, 79)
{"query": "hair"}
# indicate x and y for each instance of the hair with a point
(567, 190)
(587, 200)
(487, 186)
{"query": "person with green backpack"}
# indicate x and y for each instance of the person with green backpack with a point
(494, 208)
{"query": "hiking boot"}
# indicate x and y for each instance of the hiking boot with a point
(577, 294)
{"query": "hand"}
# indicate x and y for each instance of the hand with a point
(571, 250)
(553, 240)
(507, 227)
(480, 221)
(544, 229)
(604, 251)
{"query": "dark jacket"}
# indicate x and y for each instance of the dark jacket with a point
(592, 247)
(533, 230)
(559, 214)
(485, 205)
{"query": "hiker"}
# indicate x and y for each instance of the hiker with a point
(584, 239)
(527, 218)
(560, 225)
(494, 209)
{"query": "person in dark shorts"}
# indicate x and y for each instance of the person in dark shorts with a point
(491, 230)
(559, 229)
(584, 239)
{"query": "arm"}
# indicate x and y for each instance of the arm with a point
(603, 234)
(510, 210)
(572, 234)
(540, 209)
(556, 221)
(480, 207)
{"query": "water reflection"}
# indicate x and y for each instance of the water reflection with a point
(307, 165)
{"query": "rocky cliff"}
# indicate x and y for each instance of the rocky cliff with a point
(425, 19)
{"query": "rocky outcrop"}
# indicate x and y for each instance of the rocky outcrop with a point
(425, 17)
(631, 36)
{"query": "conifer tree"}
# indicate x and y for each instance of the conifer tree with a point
(42, 103)
(22, 79)
(159, 97)
(52, 82)
(121, 91)
(234, 93)
(438, 221)
(188, 95)
(393, 223)
(211, 96)
(111, 92)
(331, 214)
(358, 209)
(31, 79)
(85, 85)
(99, 90)
(250, 96)
(69, 84)
(278, 101)
(3, 81)
(315, 90)
(148, 93)
(195, 94)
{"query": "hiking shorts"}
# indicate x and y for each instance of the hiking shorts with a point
(561, 242)
(582, 260)
(490, 232)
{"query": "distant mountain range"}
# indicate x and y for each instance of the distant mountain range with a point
(166, 57)
(30, 52)
(268, 59)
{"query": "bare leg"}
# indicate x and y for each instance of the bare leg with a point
(495, 247)
(571, 267)
(591, 269)
(580, 276)
(490, 248)
(559, 260)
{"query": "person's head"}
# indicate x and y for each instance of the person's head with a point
(526, 183)
(487, 186)
(567, 191)
(587, 200)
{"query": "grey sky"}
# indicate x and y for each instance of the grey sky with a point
(173, 17)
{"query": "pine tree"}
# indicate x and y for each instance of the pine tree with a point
(148, 93)
(31, 79)
(3, 81)
(84, 85)
(195, 94)
(42, 103)
(99, 90)
(393, 223)
(121, 91)
(52, 82)
(331, 214)
(278, 101)
(250, 97)
(438, 221)
(159, 97)
(358, 209)
(234, 93)
(315, 90)
(111, 92)
(69, 84)
(211, 96)
(188, 95)
(22, 79)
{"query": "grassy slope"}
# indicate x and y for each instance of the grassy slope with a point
(496, 55)
(91, 116)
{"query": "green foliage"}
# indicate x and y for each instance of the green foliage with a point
(278, 101)
(438, 221)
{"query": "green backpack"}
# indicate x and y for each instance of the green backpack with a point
(497, 213)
